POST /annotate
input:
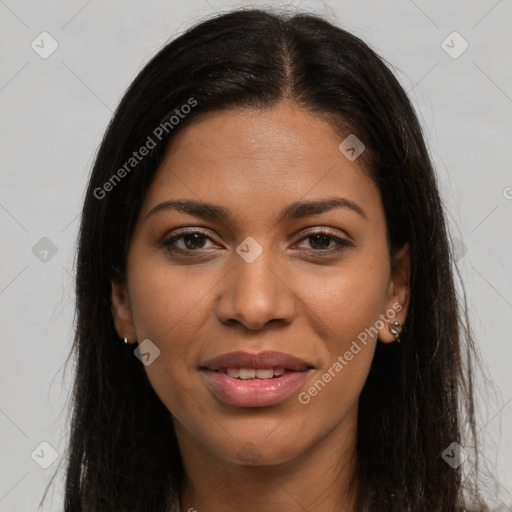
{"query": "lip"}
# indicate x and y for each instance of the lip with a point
(267, 359)
(255, 392)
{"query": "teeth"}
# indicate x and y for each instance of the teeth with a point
(246, 373)
(264, 374)
(251, 373)
(233, 372)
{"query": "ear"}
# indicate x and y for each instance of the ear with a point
(398, 296)
(121, 309)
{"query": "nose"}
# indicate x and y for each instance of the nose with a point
(255, 294)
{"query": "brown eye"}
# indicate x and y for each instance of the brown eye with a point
(192, 241)
(320, 241)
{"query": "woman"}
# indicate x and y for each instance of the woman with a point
(263, 229)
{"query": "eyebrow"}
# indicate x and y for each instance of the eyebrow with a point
(295, 210)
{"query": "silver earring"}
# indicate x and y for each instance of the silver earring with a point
(126, 340)
(395, 329)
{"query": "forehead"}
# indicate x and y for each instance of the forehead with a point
(254, 160)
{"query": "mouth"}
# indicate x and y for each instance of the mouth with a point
(253, 373)
(262, 361)
(243, 379)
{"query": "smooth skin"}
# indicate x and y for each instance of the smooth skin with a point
(300, 296)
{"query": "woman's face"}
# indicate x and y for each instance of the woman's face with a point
(243, 276)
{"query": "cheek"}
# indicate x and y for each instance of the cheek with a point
(348, 300)
(168, 303)
(346, 307)
(168, 308)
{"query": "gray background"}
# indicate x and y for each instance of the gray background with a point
(54, 112)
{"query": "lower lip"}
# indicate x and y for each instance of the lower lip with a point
(254, 392)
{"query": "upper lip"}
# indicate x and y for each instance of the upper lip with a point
(268, 359)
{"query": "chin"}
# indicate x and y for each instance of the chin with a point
(259, 449)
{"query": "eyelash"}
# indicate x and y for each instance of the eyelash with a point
(342, 243)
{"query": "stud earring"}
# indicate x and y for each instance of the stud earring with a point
(126, 340)
(395, 329)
